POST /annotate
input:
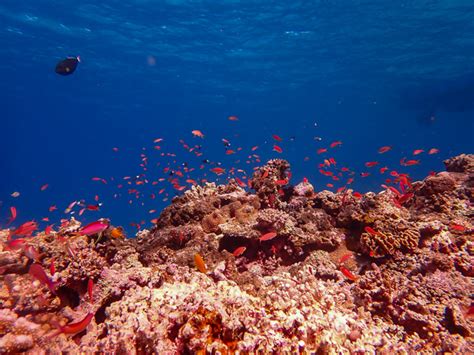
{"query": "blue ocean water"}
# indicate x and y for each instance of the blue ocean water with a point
(367, 73)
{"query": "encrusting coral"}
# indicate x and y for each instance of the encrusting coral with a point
(286, 270)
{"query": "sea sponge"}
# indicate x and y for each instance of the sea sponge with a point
(210, 223)
(245, 213)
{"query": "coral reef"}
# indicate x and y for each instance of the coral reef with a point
(284, 269)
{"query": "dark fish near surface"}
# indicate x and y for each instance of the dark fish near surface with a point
(67, 66)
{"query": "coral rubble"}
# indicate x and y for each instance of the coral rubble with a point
(285, 269)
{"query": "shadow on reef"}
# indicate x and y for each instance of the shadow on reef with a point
(284, 269)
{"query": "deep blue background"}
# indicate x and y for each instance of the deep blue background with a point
(368, 73)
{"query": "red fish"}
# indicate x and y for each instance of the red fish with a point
(37, 271)
(418, 151)
(26, 229)
(384, 149)
(433, 151)
(321, 150)
(357, 195)
(31, 252)
(364, 174)
(240, 182)
(347, 273)
(94, 228)
(335, 144)
(15, 244)
(233, 118)
(345, 257)
(457, 227)
(99, 179)
(73, 328)
(90, 287)
(218, 171)
(239, 251)
(409, 162)
(370, 164)
(383, 170)
(395, 191)
(281, 182)
(267, 236)
(277, 138)
(404, 198)
(371, 231)
(13, 214)
(277, 149)
(44, 187)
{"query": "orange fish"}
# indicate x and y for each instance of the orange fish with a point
(384, 149)
(117, 233)
(267, 236)
(197, 133)
(199, 262)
